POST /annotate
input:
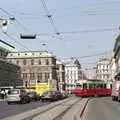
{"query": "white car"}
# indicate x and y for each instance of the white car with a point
(17, 96)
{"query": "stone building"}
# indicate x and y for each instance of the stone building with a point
(73, 72)
(60, 67)
(116, 51)
(35, 65)
(112, 69)
(103, 69)
(9, 73)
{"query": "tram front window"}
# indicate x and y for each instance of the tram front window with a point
(84, 85)
(78, 85)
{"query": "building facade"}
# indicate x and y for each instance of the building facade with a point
(112, 69)
(73, 73)
(35, 66)
(9, 73)
(60, 67)
(103, 69)
(116, 51)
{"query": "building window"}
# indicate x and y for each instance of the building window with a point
(47, 62)
(39, 62)
(32, 75)
(17, 62)
(24, 62)
(47, 75)
(39, 76)
(24, 75)
(10, 61)
(32, 62)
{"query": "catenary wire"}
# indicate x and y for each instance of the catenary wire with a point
(10, 15)
(15, 40)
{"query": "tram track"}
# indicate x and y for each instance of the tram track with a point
(56, 111)
(85, 106)
(32, 117)
(59, 117)
(76, 111)
(30, 114)
(72, 109)
(65, 110)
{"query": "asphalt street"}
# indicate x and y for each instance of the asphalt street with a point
(13, 109)
(102, 109)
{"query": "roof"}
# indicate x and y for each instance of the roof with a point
(116, 43)
(71, 61)
(27, 54)
(117, 73)
(59, 62)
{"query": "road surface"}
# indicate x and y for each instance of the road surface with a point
(102, 109)
(13, 109)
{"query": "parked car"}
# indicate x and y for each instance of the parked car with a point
(59, 95)
(18, 96)
(33, 96)
(50, 96)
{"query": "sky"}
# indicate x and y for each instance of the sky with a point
(82, 26)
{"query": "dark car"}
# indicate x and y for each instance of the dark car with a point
(33, 96)
(59, 95)
(50, 96)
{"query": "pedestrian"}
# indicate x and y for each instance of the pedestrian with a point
(2, 94)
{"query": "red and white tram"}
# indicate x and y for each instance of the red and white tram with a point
(86, 88)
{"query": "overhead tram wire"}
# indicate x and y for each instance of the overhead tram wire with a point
(94, 55)
(91, 4)
(105, 3)
(90, 31)
(15, 40)
(12, 17)
(82, 31)
(12, 38)
(52, 22)
(89, 56)
(49, 17)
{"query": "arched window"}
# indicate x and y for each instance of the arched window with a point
(24, 62)
(39, 62)
(39, 76)
(17, 62)
(47, 62)
(32, 62)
